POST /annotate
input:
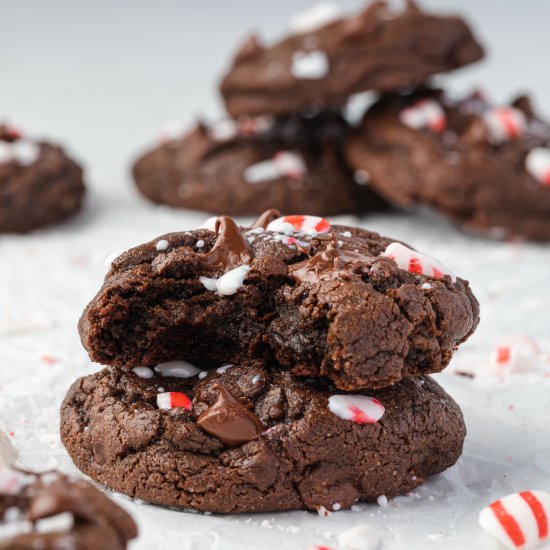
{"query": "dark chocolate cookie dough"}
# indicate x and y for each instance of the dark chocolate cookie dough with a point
(338, 301)
(486, 167)
(245, 166)
(324, 62)
(39, 184)
(250, 438)
(51, 511)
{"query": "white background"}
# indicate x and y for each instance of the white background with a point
(103, 77)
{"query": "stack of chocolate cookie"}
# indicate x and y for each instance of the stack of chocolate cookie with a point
(274, 367)
(284, 143)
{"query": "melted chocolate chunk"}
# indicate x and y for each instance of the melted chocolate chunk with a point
(229, 419)
(266, 218)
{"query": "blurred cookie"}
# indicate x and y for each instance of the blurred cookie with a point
(39, 184)
(486, 167)
(249, 438)
(329, 57)
(51, 511)
(246, 166)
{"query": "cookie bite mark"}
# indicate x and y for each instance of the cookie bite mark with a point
(230, 420)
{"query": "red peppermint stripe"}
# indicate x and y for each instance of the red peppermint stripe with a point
(361, 417)
(510, 124)
(538, 511)
(439, 124)
(509, 524)
(415, 266)
(298, 222)
(173, 400)
(503, 354)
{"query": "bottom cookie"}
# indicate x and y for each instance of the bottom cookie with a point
(249, 438)
(53, 511)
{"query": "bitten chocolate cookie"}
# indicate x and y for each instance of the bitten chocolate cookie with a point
(247, 166)
(39, 184)
(486, 167)
(337, 301)
(250, 438)
(51, 511)
(329, 57)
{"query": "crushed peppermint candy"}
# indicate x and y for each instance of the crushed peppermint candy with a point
(417, 262)
(310, 65)
(22, 152)
(537, 163)
(382, 501)
(200, 243)
(173, 131)
(173, 400)
(163, 244)
(282, 164)
(224, 130)
(425, 113)
(288, 225)
(228, 283)
(360, 537)
(517, 353)
(315, 17)
(224, 368)
(504, 124)
(177, 369)
(360, 409)
(519, 520)
(143, 372)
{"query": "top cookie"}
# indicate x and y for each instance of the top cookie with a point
(338, 301)
(330, 57)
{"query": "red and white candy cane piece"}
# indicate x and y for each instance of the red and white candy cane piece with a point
(416, 262)
(537, 163)
(504, 124)
(516, 353)
(425, 113)
(283, 163)
(173, 400)
(12, 481)
(519, 520)
(306, 224)
(360, 409)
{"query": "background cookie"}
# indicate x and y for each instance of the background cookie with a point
(246, 166)
(329, 58)
(486, 167)
(250, 438)
(337, 301)
(65, 513)
(39, 184)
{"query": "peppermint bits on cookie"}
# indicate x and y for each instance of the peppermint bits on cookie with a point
(425, 113)
(360, 409)
(299, 223)
(417, 262)
(173, 400)
(537, 163)
(519, 520)
(504, 124)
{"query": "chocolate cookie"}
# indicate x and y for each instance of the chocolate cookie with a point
(251, 438)
(246, 166)
(338, 301)
(51, 511)
(486, 167)
(39, 184)
(330, 57)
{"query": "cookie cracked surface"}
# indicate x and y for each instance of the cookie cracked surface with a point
(307, 455)
(328, 303)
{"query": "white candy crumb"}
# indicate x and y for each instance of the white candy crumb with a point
(143, 372)
(310, 65)
(382, 500)
(228, 283)
(199, 243)
(203, 374)
(360, 537)
(224, 368)
(256, 379)
(163, 244)
(336, 506)
(346, 234)
(426, 286)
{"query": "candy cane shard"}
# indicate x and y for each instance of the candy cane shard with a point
(519, 520)
(298, 223)
(537, 163)
(173, 400)
(417, 262)
(425, 113)
(504, 124)
(360, 409)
